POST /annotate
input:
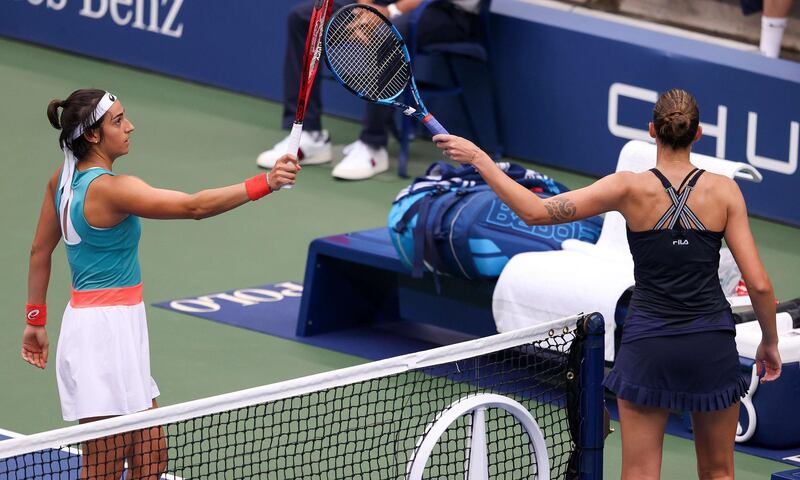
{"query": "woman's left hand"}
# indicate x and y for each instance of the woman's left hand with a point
(459, 149)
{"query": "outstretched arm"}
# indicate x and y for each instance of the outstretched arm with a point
(740, 241)
(34, 339)
(602, 196)
(131, 195)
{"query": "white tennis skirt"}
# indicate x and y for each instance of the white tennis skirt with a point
(103, 362)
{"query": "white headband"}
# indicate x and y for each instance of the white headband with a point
(71, 237)
(102, 107)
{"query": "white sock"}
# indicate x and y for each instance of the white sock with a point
(771, 35)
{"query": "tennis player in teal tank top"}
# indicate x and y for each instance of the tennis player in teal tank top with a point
(103, 360)
(104, 257)
(678, 349)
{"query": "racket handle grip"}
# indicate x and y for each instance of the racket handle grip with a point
(294, 145)
(433, 125)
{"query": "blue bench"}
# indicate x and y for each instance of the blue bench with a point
(356, 280)
(787, 475)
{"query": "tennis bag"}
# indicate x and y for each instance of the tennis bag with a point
(449, 221)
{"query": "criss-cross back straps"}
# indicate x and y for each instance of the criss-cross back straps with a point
(679, 211)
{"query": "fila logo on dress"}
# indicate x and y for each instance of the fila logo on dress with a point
(680, 243)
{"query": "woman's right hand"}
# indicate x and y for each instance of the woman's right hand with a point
(460, 149)
(768, 361)
(35, 346)
(283, 173)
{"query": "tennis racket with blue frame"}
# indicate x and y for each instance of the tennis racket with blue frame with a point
(368, 56)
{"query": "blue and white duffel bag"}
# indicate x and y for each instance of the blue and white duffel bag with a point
(450, 222)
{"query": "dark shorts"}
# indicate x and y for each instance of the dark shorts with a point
(691, 372)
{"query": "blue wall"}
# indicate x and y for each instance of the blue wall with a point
(234, 44)
(572, 88)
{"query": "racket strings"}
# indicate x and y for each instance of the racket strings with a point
(364, 51)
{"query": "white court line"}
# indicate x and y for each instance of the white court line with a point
(10, 434)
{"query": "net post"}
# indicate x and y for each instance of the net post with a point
(592, 402)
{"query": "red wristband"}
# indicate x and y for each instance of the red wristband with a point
(257, 187)
(36, 315)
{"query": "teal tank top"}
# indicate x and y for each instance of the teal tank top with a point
(104, 257)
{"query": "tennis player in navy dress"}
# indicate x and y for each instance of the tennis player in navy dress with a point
(678, 348)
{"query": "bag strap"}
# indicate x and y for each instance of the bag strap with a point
(419, 235)
(402, 224)
(435, 233)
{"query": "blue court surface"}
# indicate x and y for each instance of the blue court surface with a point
(61, 464)
(66, 459)
(265, 309)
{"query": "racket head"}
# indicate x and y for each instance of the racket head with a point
(367, 54)
(312, 54)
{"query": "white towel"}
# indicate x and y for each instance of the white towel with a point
(526, 295)
(748, 336)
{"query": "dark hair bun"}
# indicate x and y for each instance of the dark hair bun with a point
(676, 118)
(52, 113)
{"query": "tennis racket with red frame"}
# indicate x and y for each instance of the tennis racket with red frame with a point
(311, 59)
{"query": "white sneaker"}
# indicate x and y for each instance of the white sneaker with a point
(315, 148)
(349, 147)
(361, 162)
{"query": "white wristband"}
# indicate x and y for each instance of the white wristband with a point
(394, 12)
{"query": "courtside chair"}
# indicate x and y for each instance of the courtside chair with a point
(541, 286)
(477, 100)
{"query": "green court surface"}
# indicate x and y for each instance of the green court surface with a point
(189, 137)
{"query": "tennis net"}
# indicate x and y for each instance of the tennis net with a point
(524, 404)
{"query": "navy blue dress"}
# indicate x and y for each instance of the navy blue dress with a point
(678, 341)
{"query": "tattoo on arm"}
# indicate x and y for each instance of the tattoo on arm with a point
(560, 210)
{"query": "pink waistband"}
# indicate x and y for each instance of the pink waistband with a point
(106, 297)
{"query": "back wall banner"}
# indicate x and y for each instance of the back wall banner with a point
(237, 44)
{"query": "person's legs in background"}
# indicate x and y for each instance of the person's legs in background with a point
(315, 145)
(441, 22)
(773, 24)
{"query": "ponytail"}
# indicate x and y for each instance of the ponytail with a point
(76, 111)
(676, 118)
(52, 113)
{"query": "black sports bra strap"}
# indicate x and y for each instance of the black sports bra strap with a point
(661, 177)
(686, 178)
(693, 181)
(679, 211)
